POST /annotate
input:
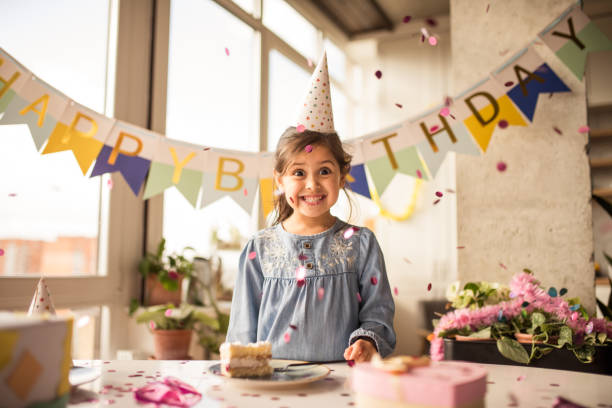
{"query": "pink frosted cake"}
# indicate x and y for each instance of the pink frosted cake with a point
(400, 383)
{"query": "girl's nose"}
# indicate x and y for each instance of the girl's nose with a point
(312, 182)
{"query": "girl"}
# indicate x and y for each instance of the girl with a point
(312, 285)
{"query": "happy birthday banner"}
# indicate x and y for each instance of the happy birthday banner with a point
(417, 147)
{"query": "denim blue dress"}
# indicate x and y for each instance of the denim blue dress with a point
(344, 295)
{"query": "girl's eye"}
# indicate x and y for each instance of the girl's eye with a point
(325, 171)
(298, 173)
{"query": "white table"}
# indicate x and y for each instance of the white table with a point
(508, 386)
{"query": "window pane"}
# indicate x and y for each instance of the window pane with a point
(336, 61)
(339, 107)
(213, 100)
(287, 89)
(289, 25)
(246, 5)
(50, 212)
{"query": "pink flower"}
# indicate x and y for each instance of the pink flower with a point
(172, 274)
(168, 313)
(152, 325)
(436, 350)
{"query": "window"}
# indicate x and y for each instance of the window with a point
(50, 212)
(213, 99)
(290, 26)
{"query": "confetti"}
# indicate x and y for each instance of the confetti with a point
(452, 116)
(444, 111)
(206, 148)
(556, 129)
(358, 297)
(501, 166)
(429, 286)
(450, 190)
(245, 192)
(302, 257)
(509, 83)
(12, 195)
(300, 128)
(350, 363)
(436, 201)
(434, 128)
(378, 74)
(520, 378)
(425, 32)
(399, 105)
(584, 129)
(291, 199)
(502, 265)
(419, 174)
(300, 275)
(562, 292)
(554, 385)
(227, 51)
(287, 337)
(349, 232)
(488, 5)
(374, 280)
(320, 293)
(310, 64)
(460, 247)
(407, 260)
(552, 292)
(433, 41)
(448, 101)
(293, 326)
(395, 291)
(407, 19)
(109, 184)
(308, 148)
(1, 251)
(439, 194)
(502, 124)
(431, 22)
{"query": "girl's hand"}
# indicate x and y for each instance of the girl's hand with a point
(360, 351)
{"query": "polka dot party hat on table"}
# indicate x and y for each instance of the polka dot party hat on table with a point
(41, 302)
(316, 112)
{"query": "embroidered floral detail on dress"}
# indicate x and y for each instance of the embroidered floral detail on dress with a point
(275, 255)
(340, 253)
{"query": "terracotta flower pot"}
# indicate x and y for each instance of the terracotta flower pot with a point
(467, 338)
(527, 338)
(156, 294)
(171, 344)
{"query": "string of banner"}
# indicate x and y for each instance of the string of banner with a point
(147, 160)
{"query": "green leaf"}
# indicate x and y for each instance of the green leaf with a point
(527, 271)
(133, 306)
(512, 350)
(471, 286)
(207, 320)
(482, 334)
(601, 337)
(585, 353)
(537, 319)
(565, 336)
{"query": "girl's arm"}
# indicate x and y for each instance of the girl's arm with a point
(246, 299)
(377, 307)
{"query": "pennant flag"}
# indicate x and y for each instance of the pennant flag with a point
(41, 301)
(128, 150)
(228, 172)
(39, 106)
(266, 182)
(176, 164)
(572, 36)
(356, 179)
(81, 130)
(440, 134)
(526, 76)
(13, 76)
(391, 151)
(482, 108)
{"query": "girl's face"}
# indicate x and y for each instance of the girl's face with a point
(311, 184)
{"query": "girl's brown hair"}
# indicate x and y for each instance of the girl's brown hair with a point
(293, 142)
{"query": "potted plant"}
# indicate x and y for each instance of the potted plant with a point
(164, 275)
(173, 326)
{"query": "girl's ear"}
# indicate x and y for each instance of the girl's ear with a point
(277, 179)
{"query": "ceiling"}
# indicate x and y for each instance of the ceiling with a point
(357, 17)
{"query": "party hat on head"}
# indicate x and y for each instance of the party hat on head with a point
(316, 112)
(41, 302)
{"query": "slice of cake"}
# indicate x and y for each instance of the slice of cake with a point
(407, 382)
(251, 360)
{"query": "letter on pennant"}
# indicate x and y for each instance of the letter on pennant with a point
(430, 136)
(493, 102)
(221, 172)
(385, 141)
(178, 169)
(117, 148)
(72, 130)
(7, 83)
(32, 107)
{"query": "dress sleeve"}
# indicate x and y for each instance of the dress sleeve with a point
(376, 307)
(246, 299)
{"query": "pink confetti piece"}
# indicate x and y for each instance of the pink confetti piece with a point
(227, 51)
(168, 313)
(349, 232)
(502, 124)
(406, 19)
(419, 174)
(320, 293)
(374, 280)
(556, 129)
(554, 385)
(111, 371)
(350, 363)
(439, 194)
(252, 255)
(245, 192)
(300, 128)
(407, 260)
(308, 148)
(434, 128)
(460, 247)
(378, 74)
(488, 5)
(503, 266)
(358, 297)
(1, 251)
(206, 148)
(584, 129)
(423, 38)
(520, 378)
(509, 83)
(107, 362)
(109, 184)
(429, 286)
(399, 105)
(287, 337)
(302, 257)
(294, 327)
(450, 190)
(444, 111)
(431, 22)
(433, 41)
(172, 392)
(436, 201)
(12, 195)
(501, 166)
(395, 290)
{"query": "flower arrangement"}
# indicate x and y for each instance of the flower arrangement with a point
(485, 310)
(167, 268)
